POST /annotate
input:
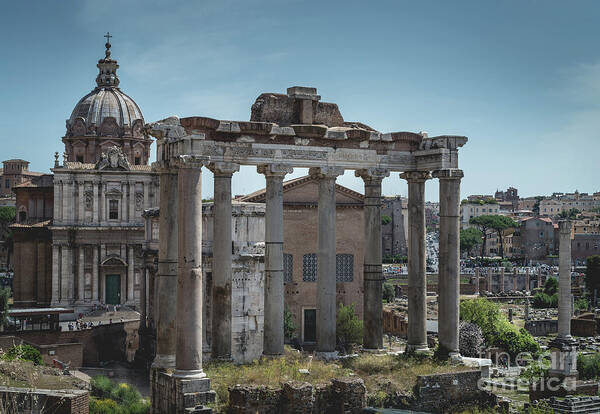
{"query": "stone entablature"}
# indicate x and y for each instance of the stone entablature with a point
(257, 143)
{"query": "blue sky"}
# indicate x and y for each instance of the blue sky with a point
(520, 78)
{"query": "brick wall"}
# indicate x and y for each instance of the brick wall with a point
(22, 400)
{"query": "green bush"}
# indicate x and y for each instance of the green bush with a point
(106, 395)
(388, 292)
(543, 300)
(349, 328)
(582, 304)
(24, 353)
(496, 329)
(551, 286)
(289, 327)
(588, 366)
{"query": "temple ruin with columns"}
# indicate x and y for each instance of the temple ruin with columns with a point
(287, 131)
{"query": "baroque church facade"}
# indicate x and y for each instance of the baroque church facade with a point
(100, 191)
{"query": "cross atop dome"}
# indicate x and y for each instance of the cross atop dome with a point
(107, 45)
(108, 68)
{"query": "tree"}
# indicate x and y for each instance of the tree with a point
(4, 298)
(592, 275)
(388, 292)
(570, 214)
(501, 223)
(469, 238)
(289, 327)
(7, 217)
(349, 329)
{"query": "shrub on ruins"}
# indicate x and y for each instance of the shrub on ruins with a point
(588, 366)
(470, 339)
(349, 327)
(289, 327)
(389, 293)
(496, 329)
(24, 353)
(542, 300)
(106, 395)
(5, 294)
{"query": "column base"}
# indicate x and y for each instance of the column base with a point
(374, 350)
(177, 395)
(417, 348)
(189, 374)
(163, 361)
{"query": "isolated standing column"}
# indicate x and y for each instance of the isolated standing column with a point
(221, 266)
(564, 280)
(417, 266)
(373, 275)
(449, 260)
(273, 325)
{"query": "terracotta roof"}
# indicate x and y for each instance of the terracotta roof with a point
(258, 196)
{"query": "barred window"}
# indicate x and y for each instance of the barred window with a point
(288, 267)
(309, 267)
(344, 267)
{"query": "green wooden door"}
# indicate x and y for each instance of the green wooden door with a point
(113, 289)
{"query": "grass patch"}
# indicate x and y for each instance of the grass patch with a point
(396, 373)
(24, 374)
(269, 372)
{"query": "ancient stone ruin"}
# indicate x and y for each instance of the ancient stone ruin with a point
(287, 131)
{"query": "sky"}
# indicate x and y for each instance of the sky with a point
(520, 79)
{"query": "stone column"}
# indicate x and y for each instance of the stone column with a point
(326, 269)
(221, 263)
(81, 213)
(373, 275)
(273, 319)
(166, 280)
(477, 281)
(66, 293)
(417, 275)
(81, 278)
(55, 273)
(131, 201)
(527, 281)
(449, 260)
(502, 279)
(539, 279)
(95, 203)
(188, 360)
(103, 216)
(490, 280)
(130, 274)
(515, 280)
(95, 274)
(564, 280)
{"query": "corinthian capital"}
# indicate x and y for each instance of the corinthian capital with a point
(449, 174)
(326, 172)
(416, 176)
(279, 170)
(223, 168)
(372, 174)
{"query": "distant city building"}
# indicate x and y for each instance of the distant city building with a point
(13, 173)
(475, 207)
(393, 233)
(537, 238)
(583, 246)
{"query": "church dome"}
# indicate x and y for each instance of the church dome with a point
(106, 111)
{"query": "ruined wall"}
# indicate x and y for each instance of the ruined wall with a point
(21, 400)
(440, 393)
(542, 327)
(344, 395)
